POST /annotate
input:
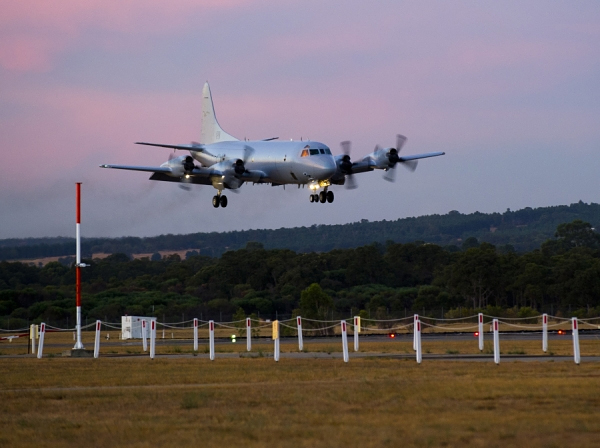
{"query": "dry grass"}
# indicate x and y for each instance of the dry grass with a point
(297, 402)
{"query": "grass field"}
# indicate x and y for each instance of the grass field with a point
(370, 402)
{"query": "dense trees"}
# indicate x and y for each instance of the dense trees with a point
(383, 280)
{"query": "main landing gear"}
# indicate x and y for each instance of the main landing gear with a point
(219, 199)
(322, 197)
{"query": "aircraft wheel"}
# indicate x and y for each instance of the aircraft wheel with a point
(216, 201)
(316, 196)
(323, 197)
(330, 196)
(223, 201)
(312, 198)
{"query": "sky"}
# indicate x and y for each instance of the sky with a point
(509, 90)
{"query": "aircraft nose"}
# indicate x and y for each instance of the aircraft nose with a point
(328, 167)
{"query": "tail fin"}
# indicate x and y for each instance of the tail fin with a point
(211, 132)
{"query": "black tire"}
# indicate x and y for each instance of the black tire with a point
(223, 201)
(322, 197)
(330, 196)
(316, 196)
(216, 201)
(312, 198)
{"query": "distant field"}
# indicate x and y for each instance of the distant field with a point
(138, 402)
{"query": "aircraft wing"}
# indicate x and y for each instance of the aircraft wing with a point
(191, 147)
(421, 156)
(151, 169)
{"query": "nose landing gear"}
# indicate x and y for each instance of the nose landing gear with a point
(219, 200)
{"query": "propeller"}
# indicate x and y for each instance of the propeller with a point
(394, 158)
(346, 166)
(239, 166)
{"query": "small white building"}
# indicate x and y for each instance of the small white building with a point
(131, 326)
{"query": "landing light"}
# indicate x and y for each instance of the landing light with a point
(187, 176)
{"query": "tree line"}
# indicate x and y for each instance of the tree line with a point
(523, 230)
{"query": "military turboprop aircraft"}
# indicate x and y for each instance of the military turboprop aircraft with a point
(227, 163)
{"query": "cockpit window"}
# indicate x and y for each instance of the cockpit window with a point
(314, 152)
(322, 151)
(304, 153)
(327, 151)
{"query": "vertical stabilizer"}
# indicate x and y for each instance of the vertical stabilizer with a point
(211, 131)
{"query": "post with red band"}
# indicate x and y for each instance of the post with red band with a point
(195, 334)
(480, 332)
(356, 331)
(248, 334)
(496, 342)
(418, 341)
(415, 320)
(276, 340)
(41, 343)
(300, 341)
(211, 339)
(152, 338)
(78, 266)
(97, 341)
(144, 335)
(344, 340)
(545, 333)
(576, 353)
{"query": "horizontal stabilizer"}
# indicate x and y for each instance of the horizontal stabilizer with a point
(192, 147)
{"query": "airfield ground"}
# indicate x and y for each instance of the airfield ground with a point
(241, 399)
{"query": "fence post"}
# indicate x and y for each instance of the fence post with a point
(496, 342)
(211, 339)
(195, 334)
(97, 341)
(480, 332)
(152, 338)
(144, 335)
(248, 334)
(545, 333)
(300, 341)
(41, 343)
(356, 331)
(576, 354)
(344, 341)
(276, 340)
(418, 341)
(32, 333)
(415, 320)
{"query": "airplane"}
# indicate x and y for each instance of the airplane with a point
(227, 163)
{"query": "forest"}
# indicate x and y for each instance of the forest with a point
(561, 277)
(524, 230)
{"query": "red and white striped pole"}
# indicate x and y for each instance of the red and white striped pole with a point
(576, 353)
(300, 341)
(152, 338)
(97, 340)
(480, 332)
(195, 334)
(144, 335)
(416, 319)
(78, 266)
(496, 342)
(344, 341)
(41, 343)
(544, 333)
(248, 334)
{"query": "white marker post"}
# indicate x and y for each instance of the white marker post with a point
(195, 334)
(32, 333)
(496, 342)
(356, 331)
(544, 333)
(344, 341)
(97, 341)
(480, 329)
(416, 319)
(248, 334)
(41, 344)
(152, 338)
(576, 354)
(78, 266)
(276, 340)
(300, 341)
(144, 339)
(211, 339)
(418, 341)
